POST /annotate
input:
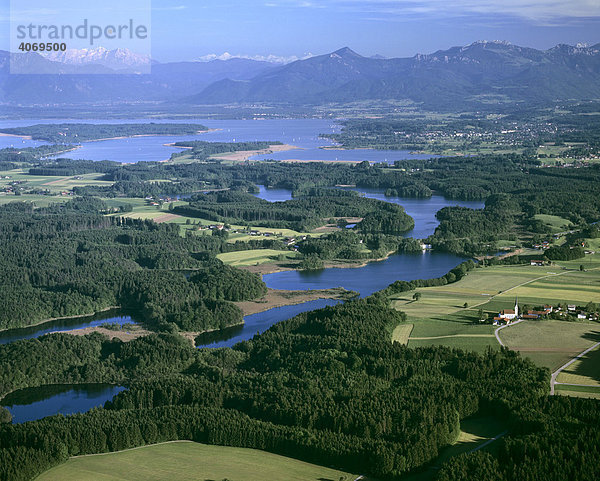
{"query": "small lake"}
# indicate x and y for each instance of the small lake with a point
(377, 275)
(257, 323)
(421, 210)
(109, 317)
(273, 195)
(302, 133)
(38, 402)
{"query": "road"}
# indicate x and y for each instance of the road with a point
(502, 327)
(558, 371)
(483, 445)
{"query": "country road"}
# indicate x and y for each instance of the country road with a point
(502, 327)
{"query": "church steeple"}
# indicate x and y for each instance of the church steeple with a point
(517, 307)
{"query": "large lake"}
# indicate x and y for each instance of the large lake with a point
(302, 133)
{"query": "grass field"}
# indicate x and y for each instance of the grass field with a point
(473, 432)
(557, 224)
(187, 461)
(583, 371)
(401, 333)
(577, 391)
(253, 257)
(550, 343)
(38, 200)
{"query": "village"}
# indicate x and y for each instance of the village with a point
(569, 312)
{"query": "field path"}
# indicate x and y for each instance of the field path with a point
(553, 274)
(450, 335)
(57, 181)
(133, 449)
(558, 371)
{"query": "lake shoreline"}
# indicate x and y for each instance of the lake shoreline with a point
(52, 319)
(283, 297)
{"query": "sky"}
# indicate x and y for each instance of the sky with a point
(289, 29)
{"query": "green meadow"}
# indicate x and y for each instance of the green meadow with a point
(440, 315)
(188, 461)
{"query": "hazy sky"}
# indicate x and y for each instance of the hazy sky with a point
(186, 30)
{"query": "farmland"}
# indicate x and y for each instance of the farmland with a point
(551, 343)
(183, 461)
(439, 316)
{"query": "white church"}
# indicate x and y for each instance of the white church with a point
(508, 315)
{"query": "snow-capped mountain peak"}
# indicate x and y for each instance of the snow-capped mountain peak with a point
(117, 59)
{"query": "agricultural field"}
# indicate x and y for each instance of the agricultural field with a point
(439, 316)
(38, 200)
(55, 184)
(577, 391)
(188, 461)
(254, 257)
(401, 333)
(556, 223)
(583, 371)
(550, 343)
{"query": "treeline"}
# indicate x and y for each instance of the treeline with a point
(75, 133)
(565, 253)
(327, 387)
(471, 231)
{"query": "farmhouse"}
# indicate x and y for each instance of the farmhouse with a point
(537, 263)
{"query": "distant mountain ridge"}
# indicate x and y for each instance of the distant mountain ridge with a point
(480, 73)
(77, 81)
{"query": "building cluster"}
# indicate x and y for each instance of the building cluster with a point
(508, 316)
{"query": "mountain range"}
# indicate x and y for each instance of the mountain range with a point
(479, 73)
(119, 59)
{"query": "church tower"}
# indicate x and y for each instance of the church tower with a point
(516, 308)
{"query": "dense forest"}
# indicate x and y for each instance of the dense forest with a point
(325, 387)
(70, 259)
(555, 438)
(302, 213)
